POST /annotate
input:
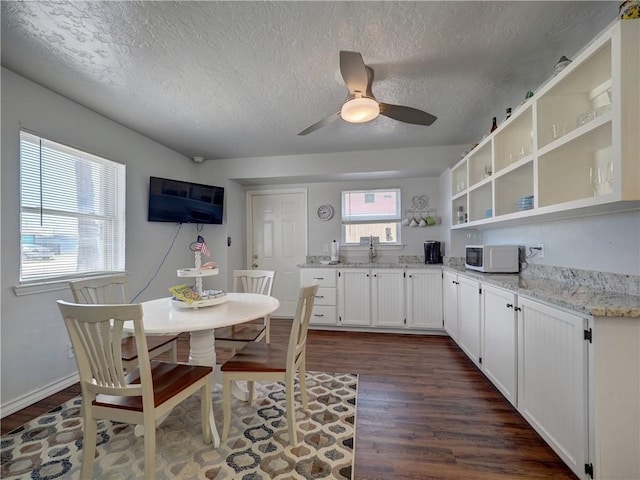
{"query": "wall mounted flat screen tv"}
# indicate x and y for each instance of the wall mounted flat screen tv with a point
(184, 202)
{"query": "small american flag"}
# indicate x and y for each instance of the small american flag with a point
(201, 246)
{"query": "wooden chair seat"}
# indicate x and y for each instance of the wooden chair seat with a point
(244, 332)
(237, 336)
(156, 344)
(258, 356)
(169, 379)
(259, 361)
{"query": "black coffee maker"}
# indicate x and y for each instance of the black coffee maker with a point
(432, 251)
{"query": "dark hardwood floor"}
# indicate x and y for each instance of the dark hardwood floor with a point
(424, 410)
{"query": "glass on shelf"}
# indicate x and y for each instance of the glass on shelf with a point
(558, 129)
(595, 180)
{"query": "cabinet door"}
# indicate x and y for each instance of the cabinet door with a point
(387, 298)
(450, 304)
(499, 345)
(552, 379)
(354, 297)
(424, 299)
(469, 308)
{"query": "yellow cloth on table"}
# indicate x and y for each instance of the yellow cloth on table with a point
(185, 293)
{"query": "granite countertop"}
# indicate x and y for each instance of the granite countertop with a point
(582, 299)
(575, 296)
(374, 265)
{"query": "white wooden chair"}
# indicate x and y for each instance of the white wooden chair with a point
(259, 361)
(111, 290)
(237, 336)
(139, 397)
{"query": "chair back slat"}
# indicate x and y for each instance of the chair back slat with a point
(300, 326)
(253, 281)
(96, 332)
(100, 290)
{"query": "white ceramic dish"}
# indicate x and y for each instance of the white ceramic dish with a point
(207, 302)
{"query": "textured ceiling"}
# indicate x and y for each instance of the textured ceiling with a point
(241, 79)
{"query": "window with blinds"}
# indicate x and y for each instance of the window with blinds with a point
(371, 213)
(72, 211)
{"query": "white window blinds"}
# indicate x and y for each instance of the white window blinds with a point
(367, 206)
(72, 211)
(371, 213)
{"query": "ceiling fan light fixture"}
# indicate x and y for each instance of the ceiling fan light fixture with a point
(360, 110)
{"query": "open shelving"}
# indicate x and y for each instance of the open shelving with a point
(573, 145)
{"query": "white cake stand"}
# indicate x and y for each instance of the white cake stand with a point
(198, 273)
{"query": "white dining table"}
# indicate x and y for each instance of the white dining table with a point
(161, 316)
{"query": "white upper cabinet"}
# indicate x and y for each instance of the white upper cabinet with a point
(573, 146)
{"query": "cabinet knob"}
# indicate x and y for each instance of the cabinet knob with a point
(509, 305)
(318, 315)
(319, 296)
(318, 278)
(517, 309)
(255, 265)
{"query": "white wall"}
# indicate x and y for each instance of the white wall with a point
(32, 333)
(321, 233)
(606, 243)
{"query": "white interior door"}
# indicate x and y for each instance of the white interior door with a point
(278, 240)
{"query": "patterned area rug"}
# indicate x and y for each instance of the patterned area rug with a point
(50, 446)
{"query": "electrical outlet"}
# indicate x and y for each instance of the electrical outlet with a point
(70, 352)
(540, 248)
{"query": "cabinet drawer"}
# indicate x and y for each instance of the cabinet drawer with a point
(323, 315)
(325, 277)
(325, 296)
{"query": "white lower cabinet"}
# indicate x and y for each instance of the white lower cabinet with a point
(324, 306)
(354, 297)
(379, 298)
(469, 311)
(450, 304)
(500, 340)
(552, 379)
(388, 298)
(424, 299)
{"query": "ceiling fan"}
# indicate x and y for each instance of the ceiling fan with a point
(360, 105)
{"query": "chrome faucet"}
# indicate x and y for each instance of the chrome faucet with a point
(372, 251)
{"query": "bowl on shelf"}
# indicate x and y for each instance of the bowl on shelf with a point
(525, 202)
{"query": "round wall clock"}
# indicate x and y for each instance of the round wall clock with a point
(325, 212)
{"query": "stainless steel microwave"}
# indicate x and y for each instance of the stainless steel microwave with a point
(493, 258)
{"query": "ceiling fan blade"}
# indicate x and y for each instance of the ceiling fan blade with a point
(353, 71)
(320, 124)
(406, 114)
(370, 77)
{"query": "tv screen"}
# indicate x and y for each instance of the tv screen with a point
(184, 202)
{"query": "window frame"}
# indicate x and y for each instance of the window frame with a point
(394, 218)
(52, 201)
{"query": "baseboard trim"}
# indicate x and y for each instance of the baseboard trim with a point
(35, 396)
